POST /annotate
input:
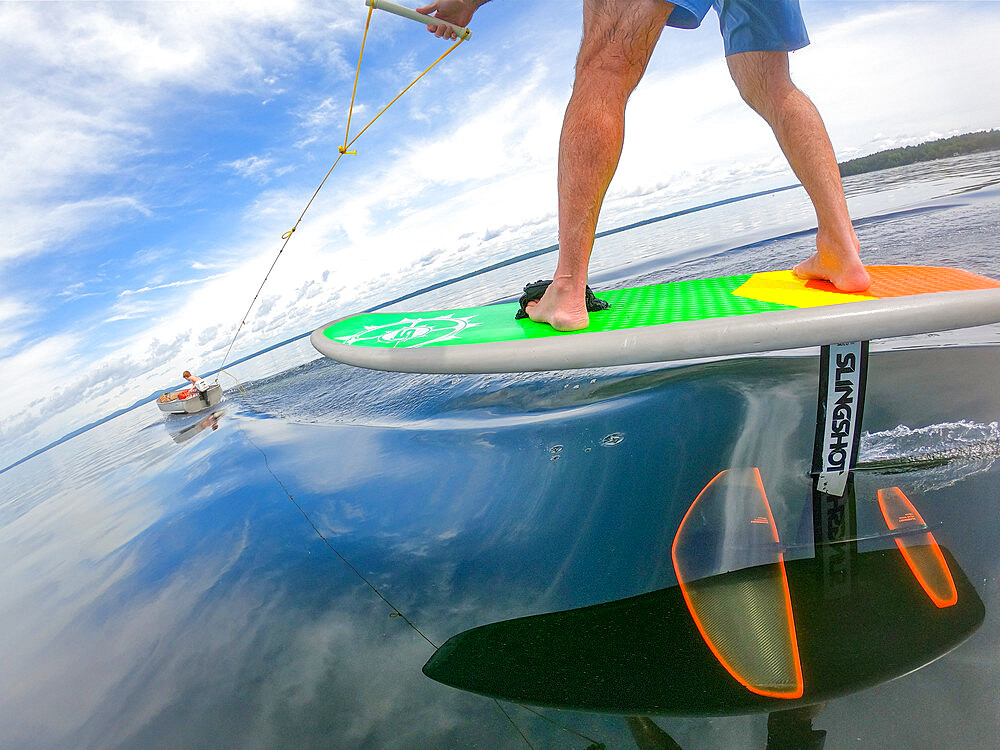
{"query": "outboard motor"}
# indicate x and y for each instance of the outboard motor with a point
(202, 386)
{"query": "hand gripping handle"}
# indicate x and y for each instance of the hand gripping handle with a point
(399, 10)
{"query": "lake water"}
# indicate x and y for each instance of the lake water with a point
(277, 573)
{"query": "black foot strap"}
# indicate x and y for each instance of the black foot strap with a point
(535, 290)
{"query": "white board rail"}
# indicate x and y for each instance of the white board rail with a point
(713, 337)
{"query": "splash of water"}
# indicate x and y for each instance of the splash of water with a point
(944, 453)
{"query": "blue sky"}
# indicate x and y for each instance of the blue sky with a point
(154, 153)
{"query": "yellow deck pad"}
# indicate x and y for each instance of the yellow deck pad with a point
(785, 288)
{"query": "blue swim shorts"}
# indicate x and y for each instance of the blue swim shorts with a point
(748, 25)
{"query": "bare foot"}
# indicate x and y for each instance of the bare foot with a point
(562, 307)
(842, 268)
(846, 277)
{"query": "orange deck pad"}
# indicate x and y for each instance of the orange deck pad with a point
(902, 281)
(784, 287)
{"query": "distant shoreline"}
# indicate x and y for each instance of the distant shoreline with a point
(958, 145)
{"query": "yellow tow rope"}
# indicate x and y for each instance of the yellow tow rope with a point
(239, 385)
(348, 142)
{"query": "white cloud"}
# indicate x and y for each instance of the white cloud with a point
(13, 316)
(904, 71)
(88, 78)
(38, 371)
(328, 114)
(169, 285)
(10, 311)
(253, 167)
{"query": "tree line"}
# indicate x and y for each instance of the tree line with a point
(970, 143)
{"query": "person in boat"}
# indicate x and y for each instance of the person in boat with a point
(618, 39)
(192, 390)
(184, 392)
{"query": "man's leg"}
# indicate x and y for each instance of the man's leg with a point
(618, 38)
(764, 83)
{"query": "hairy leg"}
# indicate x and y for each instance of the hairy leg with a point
(764, 83)
(618, 39)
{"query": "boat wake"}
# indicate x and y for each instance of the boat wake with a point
(945, 453)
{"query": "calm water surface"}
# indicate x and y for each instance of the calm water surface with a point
(277, 573)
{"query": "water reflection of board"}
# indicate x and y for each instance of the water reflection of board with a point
(646, 654)
(678, 320)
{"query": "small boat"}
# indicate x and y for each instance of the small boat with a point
(191, 400)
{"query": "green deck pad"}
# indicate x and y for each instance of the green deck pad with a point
(652, 305)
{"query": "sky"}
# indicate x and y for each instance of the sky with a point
(155, 152)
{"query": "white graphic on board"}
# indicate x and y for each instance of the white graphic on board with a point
(410, 333)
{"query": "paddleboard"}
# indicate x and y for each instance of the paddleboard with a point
(679, 320)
